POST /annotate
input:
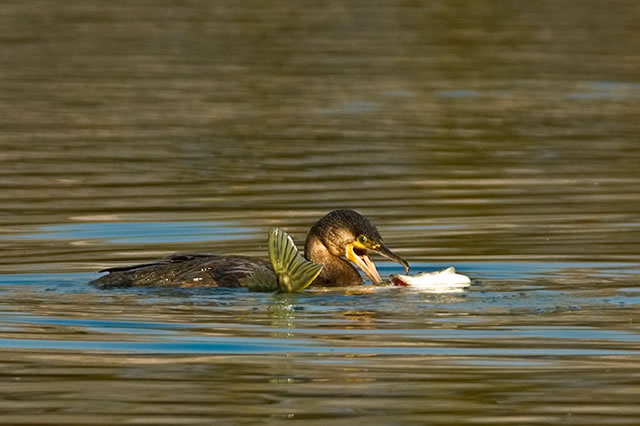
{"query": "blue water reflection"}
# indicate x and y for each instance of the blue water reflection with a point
(143, 232)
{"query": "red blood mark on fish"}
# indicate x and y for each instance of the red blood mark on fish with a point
(397, 281)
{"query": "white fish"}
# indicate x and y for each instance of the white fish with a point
(444, 281)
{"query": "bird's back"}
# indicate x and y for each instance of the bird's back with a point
(185, 270)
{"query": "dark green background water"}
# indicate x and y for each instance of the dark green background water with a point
(501, 137)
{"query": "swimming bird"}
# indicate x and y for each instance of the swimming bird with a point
(336, 244)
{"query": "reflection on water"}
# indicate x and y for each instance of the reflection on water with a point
(496, 136)
(534, 341)
(139, 232)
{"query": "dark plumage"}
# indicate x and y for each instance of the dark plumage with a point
(333, 241)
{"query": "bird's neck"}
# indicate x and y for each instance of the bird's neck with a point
(336, 271)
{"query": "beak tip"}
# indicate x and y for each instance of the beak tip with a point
(384, 251)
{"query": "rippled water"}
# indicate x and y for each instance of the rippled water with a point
(500, 137)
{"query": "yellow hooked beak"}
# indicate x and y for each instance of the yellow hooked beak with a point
(357, 253)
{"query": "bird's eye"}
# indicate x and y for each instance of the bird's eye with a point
(362, 239)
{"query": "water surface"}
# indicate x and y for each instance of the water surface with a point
(500, 137)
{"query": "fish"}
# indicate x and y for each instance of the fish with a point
(443, 281)
(291, 273)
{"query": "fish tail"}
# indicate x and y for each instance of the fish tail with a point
(293, 272)
(262, 280)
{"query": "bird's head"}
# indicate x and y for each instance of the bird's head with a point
(348, 234)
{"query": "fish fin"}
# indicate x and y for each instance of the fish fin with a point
(263, 280)
(293, 272)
